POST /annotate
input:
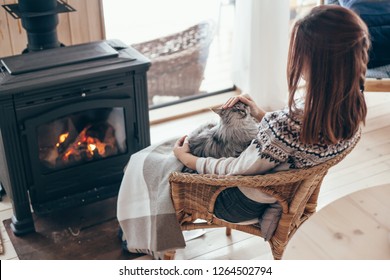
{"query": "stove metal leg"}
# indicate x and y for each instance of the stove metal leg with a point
(22, 220)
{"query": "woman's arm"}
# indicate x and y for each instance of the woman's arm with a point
(248, 163)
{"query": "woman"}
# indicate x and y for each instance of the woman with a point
(329, 50)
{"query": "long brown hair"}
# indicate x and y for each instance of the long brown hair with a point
(329, 48)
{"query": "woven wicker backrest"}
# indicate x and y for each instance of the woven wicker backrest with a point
(199, 35)
(178, 61)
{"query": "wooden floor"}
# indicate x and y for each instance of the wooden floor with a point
(354, 227)
(368, 165)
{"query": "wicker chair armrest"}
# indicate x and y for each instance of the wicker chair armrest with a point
(254, 181)
(194, 201)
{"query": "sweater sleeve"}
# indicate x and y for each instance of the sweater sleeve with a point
(250, 162)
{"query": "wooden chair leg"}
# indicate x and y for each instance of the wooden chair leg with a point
(169, 255)
(228, 231)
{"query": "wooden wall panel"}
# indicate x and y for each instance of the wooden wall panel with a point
(5, 40)
(96, 21)
(17, 34)
(84, 25)
(63, 29)
(79, 22)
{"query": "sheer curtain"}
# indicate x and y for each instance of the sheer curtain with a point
(260, 47)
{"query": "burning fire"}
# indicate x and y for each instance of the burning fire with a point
(70, 141)
(62, 138)
(91, 148)
(84, 146)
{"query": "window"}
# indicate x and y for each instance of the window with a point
(299, 8)
(188, 42)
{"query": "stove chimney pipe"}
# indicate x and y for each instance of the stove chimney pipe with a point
(40, 22)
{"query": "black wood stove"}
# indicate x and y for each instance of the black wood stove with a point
(70, 117)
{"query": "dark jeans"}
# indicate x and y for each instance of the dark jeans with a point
(233, 206)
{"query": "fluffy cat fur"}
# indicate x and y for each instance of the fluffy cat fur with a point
(227, 138)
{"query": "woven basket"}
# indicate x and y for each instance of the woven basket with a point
(178, 61)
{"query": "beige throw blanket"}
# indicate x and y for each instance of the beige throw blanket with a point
(145, 211)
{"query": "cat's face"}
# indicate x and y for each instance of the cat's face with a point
(239, 111)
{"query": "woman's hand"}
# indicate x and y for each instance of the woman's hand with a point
(181, 147)
(256, 111)
(181, 150)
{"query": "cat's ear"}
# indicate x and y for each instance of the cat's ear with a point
(217, 110)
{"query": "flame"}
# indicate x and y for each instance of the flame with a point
(67, 154)
(83, 142)
(91, 148)
(82, 147)
(63, 137)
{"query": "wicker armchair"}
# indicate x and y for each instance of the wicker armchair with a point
(178, 61)
(296, 191)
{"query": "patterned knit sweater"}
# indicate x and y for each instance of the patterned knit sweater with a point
(276, 148)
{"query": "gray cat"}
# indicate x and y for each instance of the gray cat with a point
(228, 138)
